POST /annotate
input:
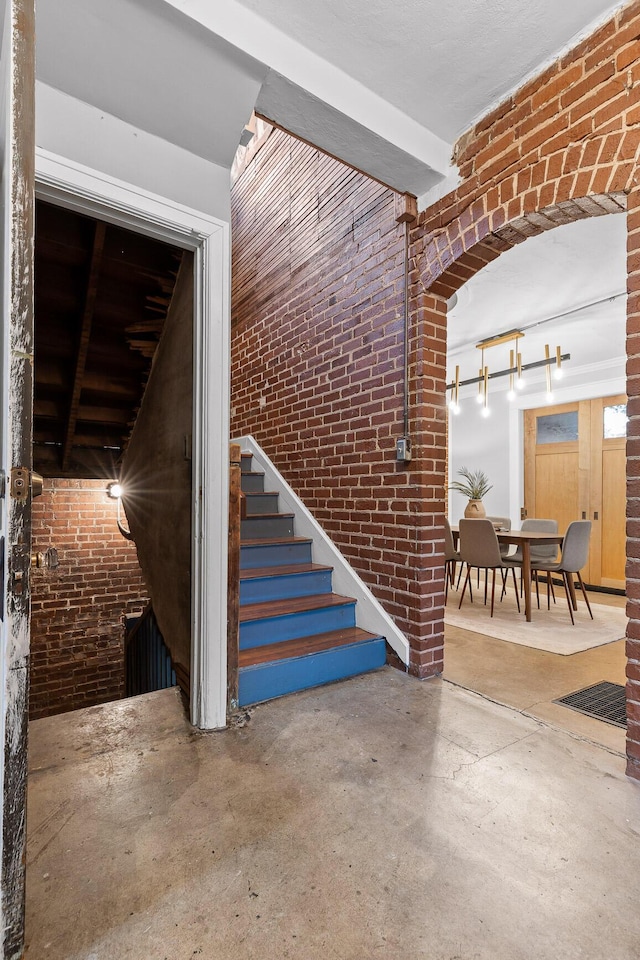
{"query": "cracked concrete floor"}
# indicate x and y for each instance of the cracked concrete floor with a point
(378, 817)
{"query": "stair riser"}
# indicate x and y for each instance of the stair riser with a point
(246, 463)
(283, 588)
(274, 555)
(268, 680)
(261, 503)
(307, 623)
(252, 482)
(258, 528)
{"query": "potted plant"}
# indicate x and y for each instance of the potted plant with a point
(474, 485)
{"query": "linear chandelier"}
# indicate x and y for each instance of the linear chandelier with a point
(514, 371)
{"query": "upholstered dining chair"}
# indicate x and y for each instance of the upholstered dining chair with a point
(451, 558)
(545, 552)
(575, 553)
(502, 523)
(479, 547)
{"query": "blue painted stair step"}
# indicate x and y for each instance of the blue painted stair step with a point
(268, 672)
(295, 633)
(274, 552)
(284, 582)
(265, 623)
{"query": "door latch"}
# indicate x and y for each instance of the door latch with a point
(23, 480)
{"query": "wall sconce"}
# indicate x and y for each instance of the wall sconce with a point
(115, 491)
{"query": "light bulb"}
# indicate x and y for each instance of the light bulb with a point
(511, 395)
(479, 398)
(114, 490)
(520, 383)
(485, 411)
(557, 373)
(454, 407)
(549, 397)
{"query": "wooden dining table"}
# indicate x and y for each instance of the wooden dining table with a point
(524, 539)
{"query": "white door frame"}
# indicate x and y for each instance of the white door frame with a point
(96, 194)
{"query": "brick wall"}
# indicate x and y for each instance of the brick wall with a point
(565, 146)
(77, 656)
(317, 366)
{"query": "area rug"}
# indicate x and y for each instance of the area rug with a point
(549, 630)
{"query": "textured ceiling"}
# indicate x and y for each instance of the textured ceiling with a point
(386, 85)
(441, 63)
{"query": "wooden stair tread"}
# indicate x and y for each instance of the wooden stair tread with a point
(274, 541)
(266, 493)
(284, 570)
(304, 646)
(269, 516)
(282, 608)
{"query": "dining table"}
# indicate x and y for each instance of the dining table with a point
(524, 539)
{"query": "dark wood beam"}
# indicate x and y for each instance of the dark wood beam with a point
(83, 343)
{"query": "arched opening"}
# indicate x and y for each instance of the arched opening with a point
(563, 288)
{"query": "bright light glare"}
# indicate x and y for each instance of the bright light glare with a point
(511, 395)
(557, 373)
(114, 490)
(485, 411)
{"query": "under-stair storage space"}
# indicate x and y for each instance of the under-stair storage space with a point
(295, 632)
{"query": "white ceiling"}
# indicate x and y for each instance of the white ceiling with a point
(387, 85)
(145, 63)
(440, 63)
(565, 287)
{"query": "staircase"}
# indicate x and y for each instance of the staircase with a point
(294, 632)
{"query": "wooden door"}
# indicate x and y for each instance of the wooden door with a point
(17, 137)
(608, 501)
(575, 468)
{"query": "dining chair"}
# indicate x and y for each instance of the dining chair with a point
(451, 558)
(502, 523)
(479, 547)
(575, 553)
(545, 552)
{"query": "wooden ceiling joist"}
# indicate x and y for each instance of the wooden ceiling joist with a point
(83, 343)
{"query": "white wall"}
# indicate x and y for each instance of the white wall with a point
(481, 443)
(79, 132)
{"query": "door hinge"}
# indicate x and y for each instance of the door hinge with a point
(23, 480)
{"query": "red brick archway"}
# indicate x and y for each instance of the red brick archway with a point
(565, 147)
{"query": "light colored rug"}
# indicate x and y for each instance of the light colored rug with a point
(549, 630)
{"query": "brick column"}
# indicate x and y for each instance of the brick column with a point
(428, 377)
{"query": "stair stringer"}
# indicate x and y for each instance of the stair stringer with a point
(370, 614)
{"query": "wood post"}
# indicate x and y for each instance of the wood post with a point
(233, 577)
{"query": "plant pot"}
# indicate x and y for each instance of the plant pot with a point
(475, 510)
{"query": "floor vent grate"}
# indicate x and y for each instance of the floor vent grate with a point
(605, 701)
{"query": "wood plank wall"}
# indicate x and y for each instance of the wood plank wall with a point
(318, 375)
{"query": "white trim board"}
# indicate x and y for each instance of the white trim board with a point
(72, 185)
(370, 614)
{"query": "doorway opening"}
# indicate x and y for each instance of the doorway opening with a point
(565, 287)
(105, 299)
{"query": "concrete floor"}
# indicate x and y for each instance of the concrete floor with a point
(379, 817)
(530, 680)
